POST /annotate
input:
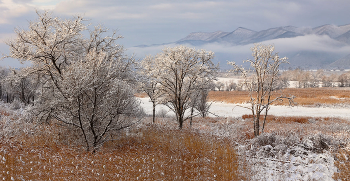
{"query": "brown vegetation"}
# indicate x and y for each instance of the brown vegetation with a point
(305, 97)
(343, 164)
(150, 153)
(281, 119)
(158, 151)
(141, 95)
(303, 126)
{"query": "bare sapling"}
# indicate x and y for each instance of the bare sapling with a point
(261, 82)
(149, 82)
(199, 102)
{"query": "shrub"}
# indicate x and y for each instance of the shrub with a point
(162, 113)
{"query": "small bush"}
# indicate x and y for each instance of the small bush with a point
(162, 113)
(17, 104)
(320, 143)
(265, 139)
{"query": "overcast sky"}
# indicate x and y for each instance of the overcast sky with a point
(163, 21)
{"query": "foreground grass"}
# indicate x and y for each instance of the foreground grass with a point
(150, 153)
(162, 152)
(303, 97)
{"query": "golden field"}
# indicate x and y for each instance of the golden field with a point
(304, 97)
(150, 153)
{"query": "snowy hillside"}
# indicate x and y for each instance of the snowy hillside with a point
(202, 36)
(238, 36)
(332, 31)
(306, 47)
(242, 35)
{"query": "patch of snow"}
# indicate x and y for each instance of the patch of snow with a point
(237, 110)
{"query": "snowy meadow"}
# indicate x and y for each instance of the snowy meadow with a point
(300, 143)
(84, 110)
(293, 147)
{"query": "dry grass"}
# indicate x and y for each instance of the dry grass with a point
(150, 153)
(302, 126)
(282, 119)
(153, 152)
(343, 164)
(141, 95)
(305, 97)
(308, 96)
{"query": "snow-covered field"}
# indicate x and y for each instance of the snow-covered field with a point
(237, 110)
(283, 158)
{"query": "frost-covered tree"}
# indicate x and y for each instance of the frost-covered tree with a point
(149, 81)
(95, 99)
(180, 70)
(230, 86)
(86, 83)
(261, 83)
(343, 80)
(202, 105)
(21, 87)
(199, 100)
(3, 89)
(220, 86)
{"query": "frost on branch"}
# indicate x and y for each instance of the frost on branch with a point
(86, 83)
(262, 81)
(181, 71)
(149, 81)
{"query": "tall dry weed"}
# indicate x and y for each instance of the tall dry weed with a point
(150, 153)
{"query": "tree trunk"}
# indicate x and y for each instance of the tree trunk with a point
(23, 97)
(256, 126)
(154, 111)
(191, 117)
(181, 120)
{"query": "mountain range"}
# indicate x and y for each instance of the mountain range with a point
(243, 36)
(313, 56)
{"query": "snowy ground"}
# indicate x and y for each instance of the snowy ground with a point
(296, 162)
(271, 156)
(235, 110)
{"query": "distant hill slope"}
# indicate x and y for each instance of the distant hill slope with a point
(243, 36)
(342, 63)
(313, 58)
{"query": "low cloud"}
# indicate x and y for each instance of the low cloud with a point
(309, 43)
(283, 45)
(238, 53)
